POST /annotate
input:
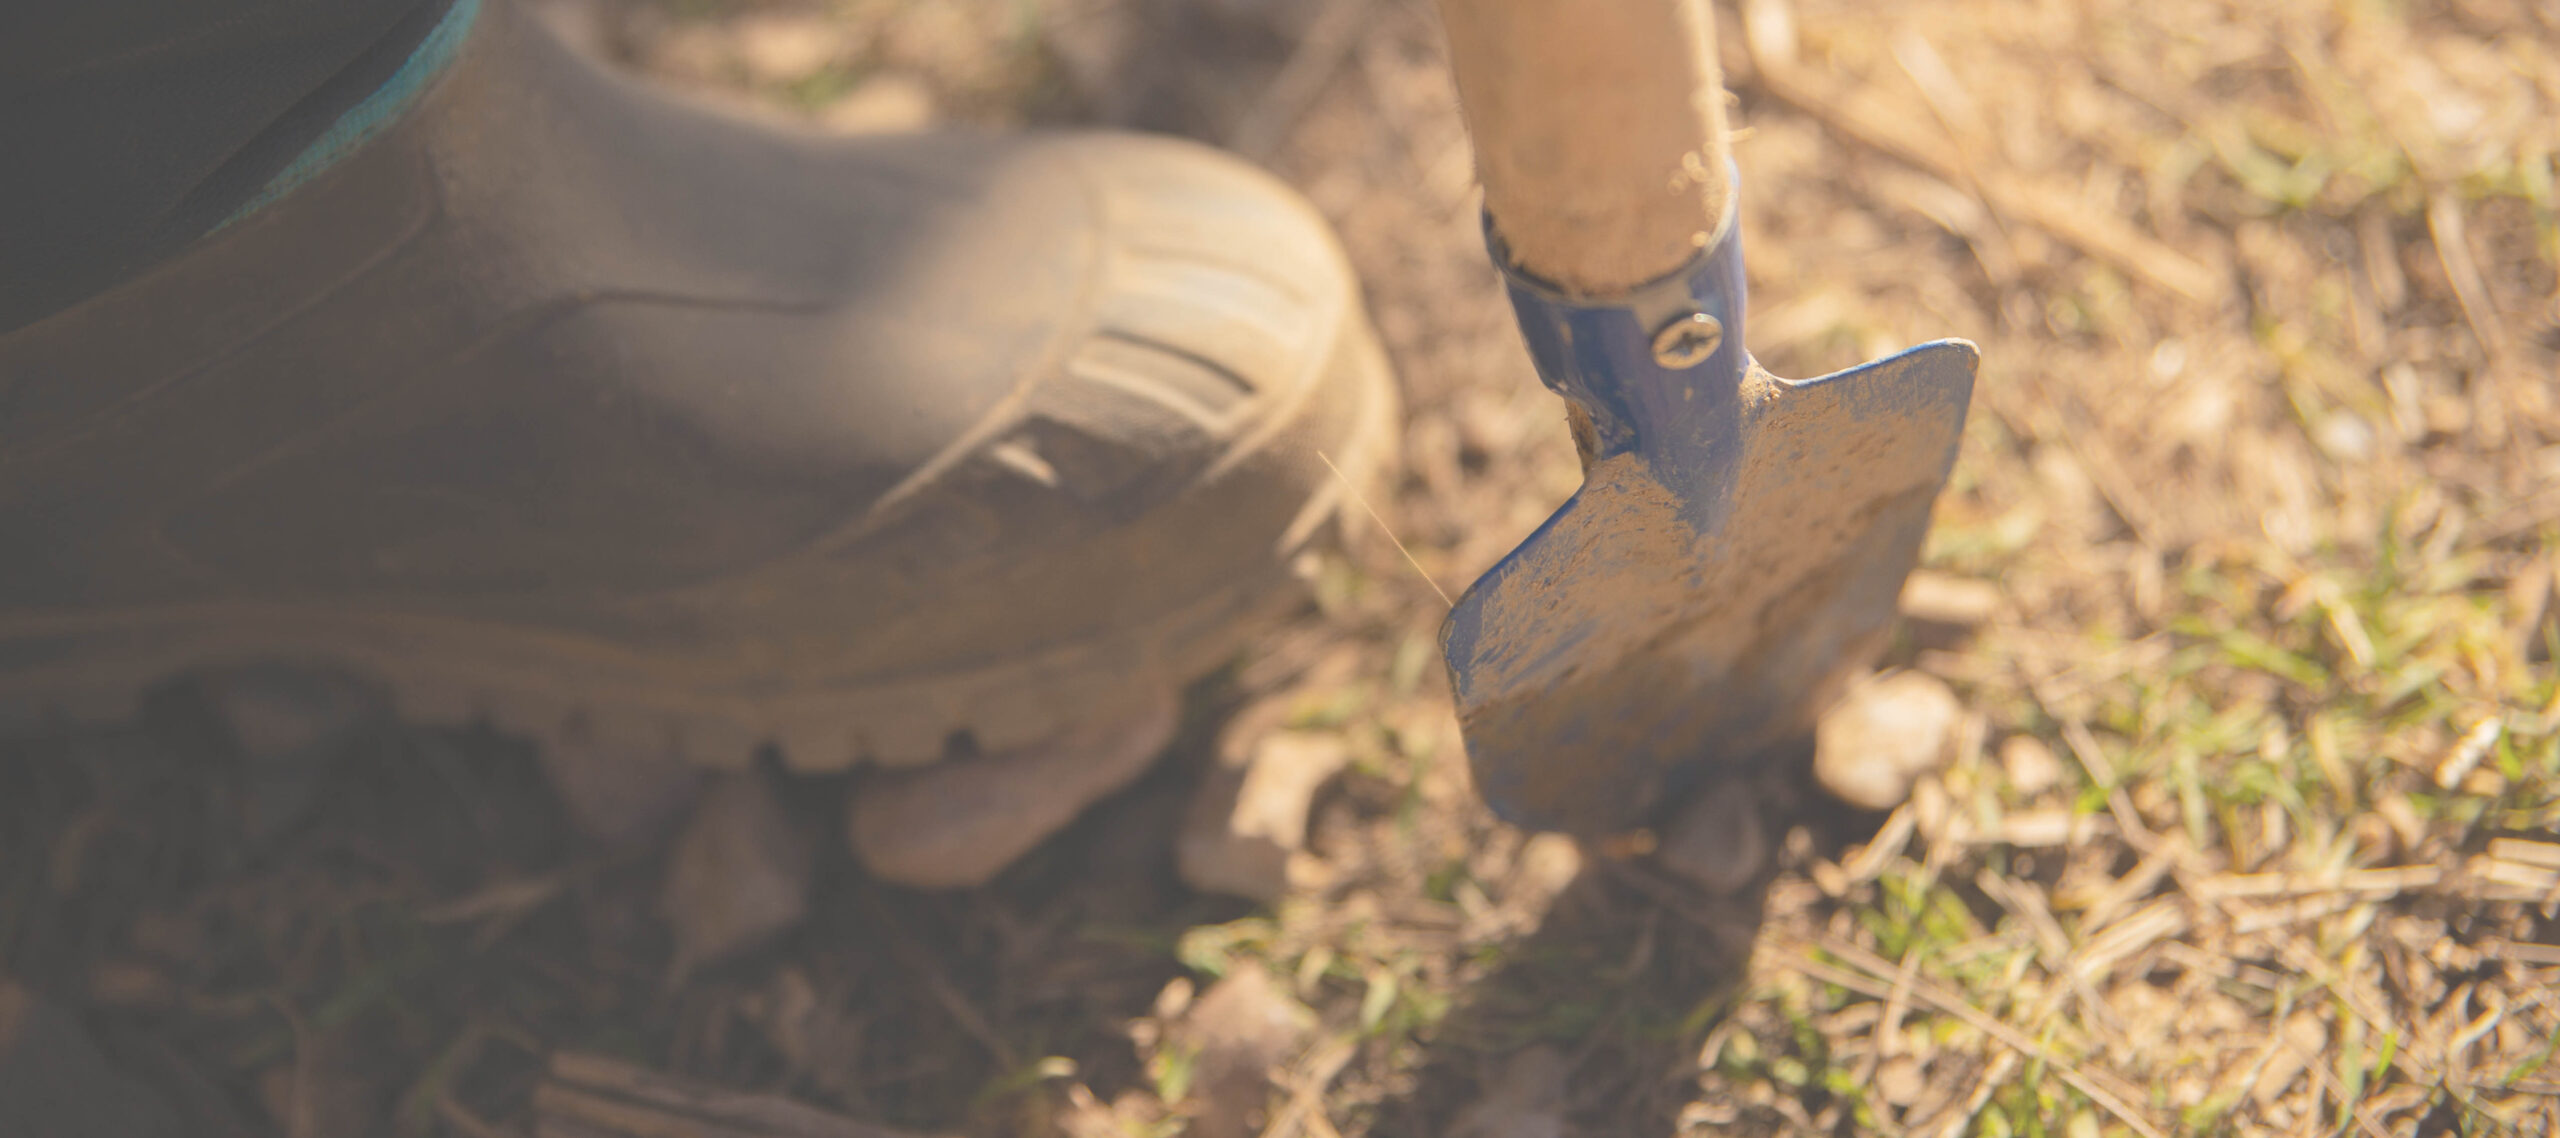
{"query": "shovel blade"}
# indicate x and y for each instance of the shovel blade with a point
(1676, 617)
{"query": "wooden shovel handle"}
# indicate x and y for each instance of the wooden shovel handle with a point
(1599, 132)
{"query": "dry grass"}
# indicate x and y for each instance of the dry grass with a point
(2256, 829)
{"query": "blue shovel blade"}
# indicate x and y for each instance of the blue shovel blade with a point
(1731, 561)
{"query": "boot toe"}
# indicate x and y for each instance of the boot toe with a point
(1159, 474)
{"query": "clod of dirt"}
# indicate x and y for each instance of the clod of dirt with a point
(1718, 841)
(1248, 819)
(2030, 765)
(956, 824)
(1527, 1101)
(1238, 1032)
(1883, 736)
(54, 1080)
(738, 875)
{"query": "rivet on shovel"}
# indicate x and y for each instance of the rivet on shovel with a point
(1686, 341)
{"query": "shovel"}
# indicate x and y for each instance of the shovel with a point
(1734, 555)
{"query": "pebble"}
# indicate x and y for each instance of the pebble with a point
(1900, 1081)
(956, 824)
(2030, 765)
(1883, 736)
(1240, 1031)
(739, 873)
(1547, 865)
(1248, 819)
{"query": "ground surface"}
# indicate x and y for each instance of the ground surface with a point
(2251, 828)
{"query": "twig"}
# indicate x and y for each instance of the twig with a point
(2093, 233)
(2102, 950)
(590, 1096)
(1993, 1074)
(1315, 1072)
(2135, 884)
(2375, 1018)
(1924, 992)
(2329, 1082)
(2084, 747)
(1389, 530)
(1880, 850)
(2381, 883)
(2470, 289)
(938, 985)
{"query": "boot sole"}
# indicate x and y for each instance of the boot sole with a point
(568, 692)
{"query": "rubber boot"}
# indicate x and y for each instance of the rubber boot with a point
(646, 430)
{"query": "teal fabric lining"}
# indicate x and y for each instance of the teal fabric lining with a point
(377, 112)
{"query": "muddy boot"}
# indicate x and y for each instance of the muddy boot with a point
(660, 435)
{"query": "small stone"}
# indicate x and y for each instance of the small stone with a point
(739, 873)
(1718, 841)
(1240, 1031)
(1527, 1100)
(883, 104)
(956, 824)
(2030, 765)
(1883, 736)
(1900, 1081)
(1249, 815)
(1546, 865)
(2344, 436)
